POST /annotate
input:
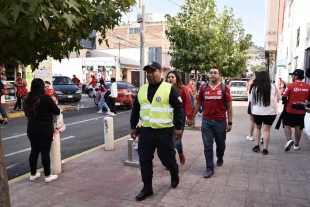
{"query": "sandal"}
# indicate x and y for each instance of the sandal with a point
(12, 110)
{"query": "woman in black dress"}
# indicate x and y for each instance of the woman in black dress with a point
(39, 109)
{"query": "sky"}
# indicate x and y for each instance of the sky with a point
(252, 13)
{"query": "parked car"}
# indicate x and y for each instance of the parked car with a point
(65, 89)
(238, 90)
(124, 97)
(134, 90)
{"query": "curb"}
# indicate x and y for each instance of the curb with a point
(68, 159)
(22, 114)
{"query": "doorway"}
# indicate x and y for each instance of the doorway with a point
(135, 78)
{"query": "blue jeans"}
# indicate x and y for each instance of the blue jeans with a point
(178, 143)
(2, 110)
(102, 102)
(213, 129)
(193, 101)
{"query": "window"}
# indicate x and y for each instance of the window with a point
(134, 30)
(298, 37)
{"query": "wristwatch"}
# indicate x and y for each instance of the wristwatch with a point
(230, 123)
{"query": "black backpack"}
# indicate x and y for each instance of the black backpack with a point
(204, 89)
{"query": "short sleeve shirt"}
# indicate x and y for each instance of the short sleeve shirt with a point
(214, 101)
(297, 91)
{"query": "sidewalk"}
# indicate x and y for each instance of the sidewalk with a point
(100, 178)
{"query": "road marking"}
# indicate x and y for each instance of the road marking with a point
(78, 122)
(14, 153)
(8, 167)
(15, 136)
(70, 137)
(28, 149)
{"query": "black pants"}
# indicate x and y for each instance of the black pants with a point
(18, 104)
(149, 140)
(40, 135)
(112, 105)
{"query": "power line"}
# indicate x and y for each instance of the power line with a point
(173, 2)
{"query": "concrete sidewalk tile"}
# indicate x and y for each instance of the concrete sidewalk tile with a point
(258, 199)
(202, 196)
(256, 186)
(219, 201)
(292, 189)
(242, 182)
(172, 201)
(178, 192)
(306, 186)
(197, 203)
(283, 200)
(231, 192)
(272, 188)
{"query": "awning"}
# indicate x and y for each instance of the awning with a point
(281, 63)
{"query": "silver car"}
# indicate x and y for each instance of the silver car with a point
(238, 90)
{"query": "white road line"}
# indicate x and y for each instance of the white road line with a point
(78, 122)
(8, 167)
(70, 137)
(28, 149)
(14, 153)
(15, 136)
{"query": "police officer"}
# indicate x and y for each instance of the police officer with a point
(157, 103)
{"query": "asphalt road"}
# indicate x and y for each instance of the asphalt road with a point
(84, 130)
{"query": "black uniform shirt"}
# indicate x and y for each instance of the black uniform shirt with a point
(174, 101)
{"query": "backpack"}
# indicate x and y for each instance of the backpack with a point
(205, 87)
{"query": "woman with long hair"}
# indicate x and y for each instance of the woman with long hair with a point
(174, 78)
(250, 136)
(39, 109)
(102, 102)
(264, 99)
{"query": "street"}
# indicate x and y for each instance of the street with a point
(84, 130)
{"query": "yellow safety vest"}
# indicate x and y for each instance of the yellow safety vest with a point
(159, 113)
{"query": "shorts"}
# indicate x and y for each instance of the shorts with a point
(294, 120)
(264, 119)
(249, 108)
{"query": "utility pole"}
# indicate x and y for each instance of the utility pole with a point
(141, 20)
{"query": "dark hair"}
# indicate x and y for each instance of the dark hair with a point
(214, 67)
(47, 82)
(256, 76)
(18, 73)
(33, 99)
(112, 79)
(101, 81)
(178, 83)
(262, 89)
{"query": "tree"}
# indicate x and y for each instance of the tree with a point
(201, 38)
(32, 30)
(258, 68)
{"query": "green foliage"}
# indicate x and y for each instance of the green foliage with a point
(31, 30)
(200, 38)
(258, 68)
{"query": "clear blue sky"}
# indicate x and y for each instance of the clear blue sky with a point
(252, 13)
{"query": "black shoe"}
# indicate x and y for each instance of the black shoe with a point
(265, 152)
(256, 148)
(219, 162)
(175, 178)
(208, 173)
(143, 194)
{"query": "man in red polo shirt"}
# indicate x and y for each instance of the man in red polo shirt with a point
(214, 125)
(75, 80)
(296, 92)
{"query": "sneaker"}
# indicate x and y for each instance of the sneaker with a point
(108, 113)
(99, 112)
(219, 162)
(288, 145)
(247, 137)
(251, 138)
(112, 114)
(33, 177)
(51, 178)
(208, 174)
(262, 140)
(256, 148)
(296, 147)
(265, 152)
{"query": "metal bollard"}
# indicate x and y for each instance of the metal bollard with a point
(108, 129)
(56, 156)
(129, 161)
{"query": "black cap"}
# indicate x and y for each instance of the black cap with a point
(298, 72)
(153, 65)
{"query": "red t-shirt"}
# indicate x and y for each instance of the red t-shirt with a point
(297, 91)
(214, 105)
(50, 92)
(191, 87)
(186, 100)
(93, 82)
(75, 80)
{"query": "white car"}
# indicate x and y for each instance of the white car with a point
(238, 90)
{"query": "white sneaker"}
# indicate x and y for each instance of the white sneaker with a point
(296, 147)
(251, 138)
(113, 114)
(288, 145)
(99, 112)
(51, 178)
(33, 177)
(108, 113)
